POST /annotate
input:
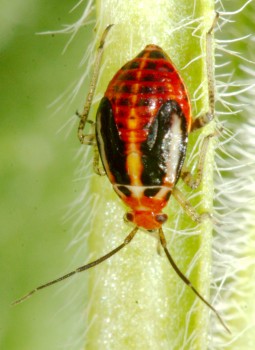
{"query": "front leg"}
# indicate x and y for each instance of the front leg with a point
(188, 208)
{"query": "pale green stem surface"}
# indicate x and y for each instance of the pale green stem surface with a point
(136, 299)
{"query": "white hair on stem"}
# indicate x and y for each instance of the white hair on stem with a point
(235, 191)
(234, 183)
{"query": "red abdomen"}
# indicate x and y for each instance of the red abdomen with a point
(139, 89)
(142, 127)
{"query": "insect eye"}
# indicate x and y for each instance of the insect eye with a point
(161, 218)
(128, 217)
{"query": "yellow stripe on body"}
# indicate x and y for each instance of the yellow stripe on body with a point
(134, 164)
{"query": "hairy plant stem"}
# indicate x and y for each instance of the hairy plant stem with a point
(136, 300)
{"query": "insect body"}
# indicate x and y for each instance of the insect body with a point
(141, 132)
(142, 128)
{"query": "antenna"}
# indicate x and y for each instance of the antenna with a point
(186, 280)
(127, 240)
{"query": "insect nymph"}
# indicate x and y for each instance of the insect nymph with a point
(141, 133)
(142, 130)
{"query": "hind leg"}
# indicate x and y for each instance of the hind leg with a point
(192, 180)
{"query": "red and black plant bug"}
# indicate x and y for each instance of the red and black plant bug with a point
(141, 134)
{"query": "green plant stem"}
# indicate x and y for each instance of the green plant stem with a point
(136, 299)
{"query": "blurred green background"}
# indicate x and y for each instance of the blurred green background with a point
(37, 172)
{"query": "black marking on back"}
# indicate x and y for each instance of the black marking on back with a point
(141, 54)
(124, 190)
(157, 54)
(156, 149)
(151, 192)
(127, 75)
(124, 101)
(109, 142)
(167, 196)
(166, 68)
(148, 77)
(144, 102)
(150, 65)
(125, 88)
(145, 89)
(131, 65)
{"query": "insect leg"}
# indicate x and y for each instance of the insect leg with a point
(194, 181)
(83, 118)
(188, 208)
(191, 180)
(97, 168)
(127, 240)
(89, 139)
(186, 280)
(209, 116)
